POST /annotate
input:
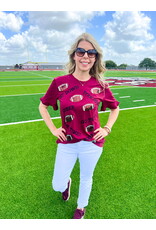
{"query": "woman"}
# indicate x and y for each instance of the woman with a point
(81, 136)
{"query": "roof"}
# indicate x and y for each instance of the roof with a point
(43, 63)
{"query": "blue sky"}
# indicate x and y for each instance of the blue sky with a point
(125, 36)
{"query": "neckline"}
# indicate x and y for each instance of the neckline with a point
(80, 81)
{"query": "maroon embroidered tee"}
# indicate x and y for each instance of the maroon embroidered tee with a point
(79, 103)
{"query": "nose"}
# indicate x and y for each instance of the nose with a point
(86, 55)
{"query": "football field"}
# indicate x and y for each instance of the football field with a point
(124, 179)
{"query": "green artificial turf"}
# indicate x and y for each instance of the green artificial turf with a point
(124, 179)
(25, 107)
(136, 74)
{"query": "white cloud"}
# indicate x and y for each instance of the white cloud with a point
(49, 35)
(10, 21)
(127, 37)
(2, 37)
(129, 25)
(60, 20)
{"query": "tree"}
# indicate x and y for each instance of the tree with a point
(147, 63)
(16, 66)
(110, 64)
(122, 66)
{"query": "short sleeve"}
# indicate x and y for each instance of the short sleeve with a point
(109, 100)
(51, 96)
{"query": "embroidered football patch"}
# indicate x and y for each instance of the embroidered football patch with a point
(69, 138)
(63, 87)
(76, 98)
(90, 128)
(88, 107)
(96, 90)
(69, 118)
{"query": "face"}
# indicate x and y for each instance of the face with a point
(85, 63)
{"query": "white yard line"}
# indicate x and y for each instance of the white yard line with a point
(41, 75)
(21, 85)
(140, 87)
(112, 88)
(26, 80)
(21, 95)
(138, 100)
(124, 96)
(22, 122)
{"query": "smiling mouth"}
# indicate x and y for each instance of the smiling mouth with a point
(85, 63)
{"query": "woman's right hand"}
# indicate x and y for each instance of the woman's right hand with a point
(60, 134)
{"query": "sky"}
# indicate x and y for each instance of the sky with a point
(46, 36)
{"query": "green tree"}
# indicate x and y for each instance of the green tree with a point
(109, 64)
(16, 66)
(147, 63)
(122, 66)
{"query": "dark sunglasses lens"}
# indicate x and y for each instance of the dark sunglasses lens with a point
(80, 52)
(92, 53)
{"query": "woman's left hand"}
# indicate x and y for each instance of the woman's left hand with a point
(100, 134)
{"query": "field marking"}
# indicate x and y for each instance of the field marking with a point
(20, 95)
(26, 80)
(39, 75)
(140, 87)
(124, 96)
(22, 122)
(21, 85)
(138, 100)
(125, 87)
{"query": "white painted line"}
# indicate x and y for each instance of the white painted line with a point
(115, 93)
(41, 75)
(138, 100)
(20, 95)
(138, 107)
(22, 122)
(25, 80)
(132, 87)
(21, 85)
(124, 96)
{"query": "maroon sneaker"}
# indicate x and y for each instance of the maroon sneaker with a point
(66, 193)
(79, 214)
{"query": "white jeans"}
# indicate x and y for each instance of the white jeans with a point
(88, 155)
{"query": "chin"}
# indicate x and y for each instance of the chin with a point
(85, 69)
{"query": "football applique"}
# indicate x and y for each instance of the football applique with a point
(88, 107)
(76, 98)
(69, 118)
(63, 87)
(90, 128)
(69, 137)
(96, 90)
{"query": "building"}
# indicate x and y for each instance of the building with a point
(42, 65)
(35, 66)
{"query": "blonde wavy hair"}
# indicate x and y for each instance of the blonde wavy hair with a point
(98, 68)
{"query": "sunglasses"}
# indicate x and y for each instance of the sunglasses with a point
(80, 52)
